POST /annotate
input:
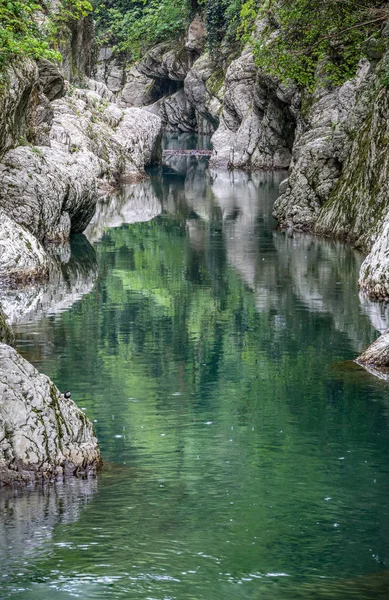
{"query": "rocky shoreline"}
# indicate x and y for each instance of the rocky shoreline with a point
(73, 131)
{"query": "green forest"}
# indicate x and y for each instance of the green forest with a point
(298, 35)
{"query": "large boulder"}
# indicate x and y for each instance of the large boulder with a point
(48, 191)
(52, 191)
(42, 434)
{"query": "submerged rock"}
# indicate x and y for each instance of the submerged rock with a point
(42, 434)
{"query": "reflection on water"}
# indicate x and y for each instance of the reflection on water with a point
(130, 204)
(72, 274)
(250, 458)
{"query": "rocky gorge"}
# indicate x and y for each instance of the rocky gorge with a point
(332, 139)
(71, 132)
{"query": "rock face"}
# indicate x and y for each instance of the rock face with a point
(320, 149)
(258, 120)
(176, 83)
(377, 354)
(16, 104)
(6, 335)
(338, 184)
(22, 257)
(51, 81)
(52, 191)
(42, 434)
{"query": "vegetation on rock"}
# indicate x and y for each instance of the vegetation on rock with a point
(29, 27)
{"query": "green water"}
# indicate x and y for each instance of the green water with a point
(246, 456)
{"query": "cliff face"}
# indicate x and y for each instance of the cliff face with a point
(334, 140)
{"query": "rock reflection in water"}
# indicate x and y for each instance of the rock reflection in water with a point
(29, 518)
(73, 272)
(132, 203)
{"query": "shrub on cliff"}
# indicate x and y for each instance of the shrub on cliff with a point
(28, 27)
(303, 33)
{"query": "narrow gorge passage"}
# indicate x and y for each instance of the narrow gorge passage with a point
(245, 453)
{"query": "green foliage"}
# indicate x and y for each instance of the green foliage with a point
(222, 19)
(20, 34)
(303, 34)
(27, 28)
(137, 26)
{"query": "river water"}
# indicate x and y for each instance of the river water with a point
(246, 456)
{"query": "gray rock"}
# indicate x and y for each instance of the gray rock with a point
(42, 434)
(257, 123)
(161, 62)
(374, 273)
(52, 191)
(377, 354)
(17, 107)
(6, 335)
(48, 191)
(204, 89)
(22, 257)
(51, 81)
(176, 112)
(77, 46)
(138, 90)
(196, 35)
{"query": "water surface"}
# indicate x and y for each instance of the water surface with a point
(246, 456)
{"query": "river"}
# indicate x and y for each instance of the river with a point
(246, 455)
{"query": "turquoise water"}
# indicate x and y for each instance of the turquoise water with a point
(246, 456)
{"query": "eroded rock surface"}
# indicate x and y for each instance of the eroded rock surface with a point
(52, 191)
(22, 257)
(377, 354)
(17, 103)
(257, 122)
(42, 434)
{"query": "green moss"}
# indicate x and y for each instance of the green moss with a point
(215, 82)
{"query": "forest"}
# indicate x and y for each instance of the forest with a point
(309, 32)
